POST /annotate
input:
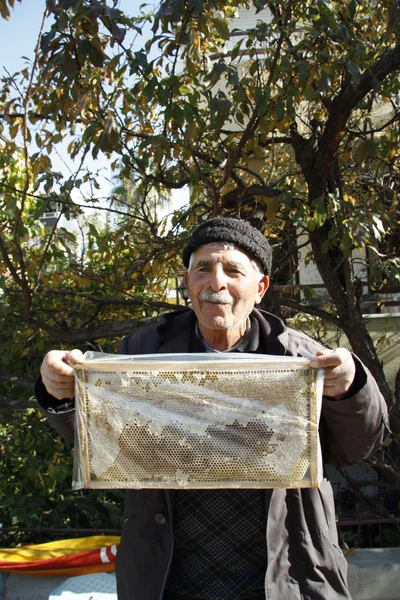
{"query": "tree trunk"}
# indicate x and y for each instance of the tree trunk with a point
(362, 345)
(335, 270)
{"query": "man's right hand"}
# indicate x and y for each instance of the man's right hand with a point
(57, 375)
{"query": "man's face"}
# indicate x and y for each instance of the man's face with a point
(223, 286)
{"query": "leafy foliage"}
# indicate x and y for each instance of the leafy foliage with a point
(292, 123)
(35, 490)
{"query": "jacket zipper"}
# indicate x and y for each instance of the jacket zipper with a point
(164, 583)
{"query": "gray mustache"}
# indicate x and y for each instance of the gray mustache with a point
(216, 297)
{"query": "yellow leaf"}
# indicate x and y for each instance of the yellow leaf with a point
(272, 210)
(4, 12)
(159, 154)
(30, 270)
(310, 225)
(42, 163)
(146, 268)
(84, 282)
(346, 156)
(267, 125)
(350, 199)
(190, 132)
(14, 130)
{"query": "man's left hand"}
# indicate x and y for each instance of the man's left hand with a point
(339, 371)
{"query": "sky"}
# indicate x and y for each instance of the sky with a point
(18, 35)
(18, 38)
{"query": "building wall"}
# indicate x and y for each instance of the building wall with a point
(385, 332)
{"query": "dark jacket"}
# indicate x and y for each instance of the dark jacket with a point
(304, 560)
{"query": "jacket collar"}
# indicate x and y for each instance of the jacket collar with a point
(175, 330)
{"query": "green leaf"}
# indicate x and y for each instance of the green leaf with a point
(70, 66)
(220, 105)
(363, 150)
(324, 82)
(280, 110)
(254, 67)
(236, 49)
(89, 131)
(393, 17)
(260, 5)
(319, 205)
(218, 69)
(222, 28)
(40, 210)
(239, 118)
(351, 7)
(308, 293)
(96, 54)
(347, 243)
(388, 442)
(38, 140)
(354, 72)
(93, 230)
(197, 5)
(325, 246)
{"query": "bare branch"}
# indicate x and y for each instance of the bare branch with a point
(347, 100)
(311, 310)
(12, 403)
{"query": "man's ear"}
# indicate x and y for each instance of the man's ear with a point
(186, 281)
(263, 286)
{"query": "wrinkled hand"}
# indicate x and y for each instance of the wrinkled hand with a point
(57, 375)
(339, 371)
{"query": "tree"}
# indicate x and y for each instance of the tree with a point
(128, 197)
(88, 286)
(280, 120)
(35, 490)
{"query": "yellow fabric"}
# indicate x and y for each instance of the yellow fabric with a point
(56, 549)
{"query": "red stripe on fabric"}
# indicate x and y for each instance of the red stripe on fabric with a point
(71, 560)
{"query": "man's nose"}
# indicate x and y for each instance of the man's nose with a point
(218, 280)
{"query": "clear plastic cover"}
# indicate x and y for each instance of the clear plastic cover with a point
(226, 420)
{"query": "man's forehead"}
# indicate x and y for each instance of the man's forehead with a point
(217, 252)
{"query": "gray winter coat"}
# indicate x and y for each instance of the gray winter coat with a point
(304, 559)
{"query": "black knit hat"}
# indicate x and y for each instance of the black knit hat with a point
(234, 231)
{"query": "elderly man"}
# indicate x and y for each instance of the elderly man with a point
(235, 544)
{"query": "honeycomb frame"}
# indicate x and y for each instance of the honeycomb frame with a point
(146, 422)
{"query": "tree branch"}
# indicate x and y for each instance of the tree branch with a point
(347, 100)
(311, 310)
(245, 194)
(255, 117)
(104, 330)
(19, 381)
(6, 402)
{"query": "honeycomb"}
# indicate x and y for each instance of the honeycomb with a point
(197, 425)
